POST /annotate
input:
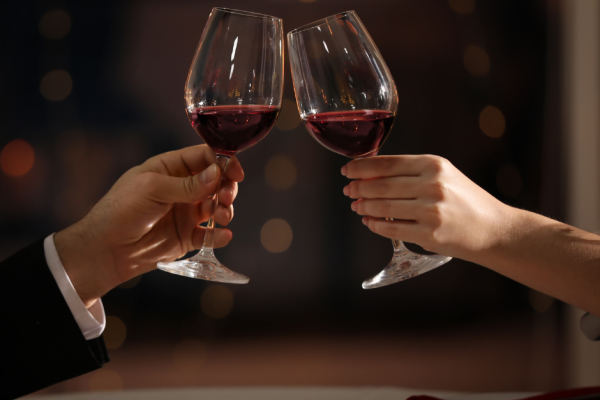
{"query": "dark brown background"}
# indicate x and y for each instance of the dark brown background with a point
(303, 319)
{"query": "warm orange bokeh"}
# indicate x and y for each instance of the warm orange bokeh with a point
(17, 158)
(492, 122)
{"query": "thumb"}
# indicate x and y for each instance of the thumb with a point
(191, 189)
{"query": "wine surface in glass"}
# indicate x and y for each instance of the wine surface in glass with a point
(231, 129)
(354, 133)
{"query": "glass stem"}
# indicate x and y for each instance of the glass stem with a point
(209, 235)
(398, 245)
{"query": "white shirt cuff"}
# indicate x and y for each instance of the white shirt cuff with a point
(91, 321)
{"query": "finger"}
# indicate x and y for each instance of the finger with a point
(183, 162)
(169, 189)
(224, 215)
(385, 166)
(234, 170)
(398, 187)
(408, 231)
(222, 237)
(228, 192)
(397, 209)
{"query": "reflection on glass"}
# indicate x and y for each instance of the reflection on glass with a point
(347, 99)
(233, 96)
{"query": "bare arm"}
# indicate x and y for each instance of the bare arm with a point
(439, 208)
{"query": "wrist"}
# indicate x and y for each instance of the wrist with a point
(506, 232)
(82, 259)
(500, 228)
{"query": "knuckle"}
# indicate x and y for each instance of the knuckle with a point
(431, 240)
(148, 181)
(355, 189)
(389, 229)
(436, 164)
(434, 216)
(384, 163)
(350, 169)
(437, 190)
(385, 207)
(380, 188)
(361, 207)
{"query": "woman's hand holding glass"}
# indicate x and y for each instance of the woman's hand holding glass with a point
(442, 210)
(430, 201)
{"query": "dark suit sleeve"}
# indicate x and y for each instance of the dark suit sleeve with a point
(41, 341)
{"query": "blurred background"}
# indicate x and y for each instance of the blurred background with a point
(88, 91)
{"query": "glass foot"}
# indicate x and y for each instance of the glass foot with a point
(405, 265)
(203, 265)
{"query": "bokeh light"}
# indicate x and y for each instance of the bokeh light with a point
(189, 355)
(276, 235)
(477, 61)
(509, 181)
(540, 302)
(106, 380)
(130, 283)
(280, 172)
(55, 24)
(462, 6)
(288, 117)
(492, 122)
(56, 85)
(17, 158)
(217, 301)
(115, 332)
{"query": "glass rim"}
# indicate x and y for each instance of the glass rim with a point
(321, 21)
(247, 13)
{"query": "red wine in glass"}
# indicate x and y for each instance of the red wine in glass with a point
(357, 133)
(232, 95)
(231, 129)
(347, 99)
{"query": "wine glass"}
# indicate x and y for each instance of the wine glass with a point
(347, 100)
(232, 96)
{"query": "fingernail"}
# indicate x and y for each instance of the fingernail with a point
(344, 169)
(209, 174)
(347, 190)
(354, 206)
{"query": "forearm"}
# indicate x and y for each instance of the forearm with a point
(434, 205)
(548, 256)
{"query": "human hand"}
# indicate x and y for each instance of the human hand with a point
(432, 203)
(150, 214)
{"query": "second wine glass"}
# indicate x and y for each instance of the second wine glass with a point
(347, 99)
(232, 96)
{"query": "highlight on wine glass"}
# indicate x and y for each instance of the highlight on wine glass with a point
(347, 99)
(232, 97)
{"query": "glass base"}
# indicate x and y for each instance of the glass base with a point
(203, 265)
(405, 265)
